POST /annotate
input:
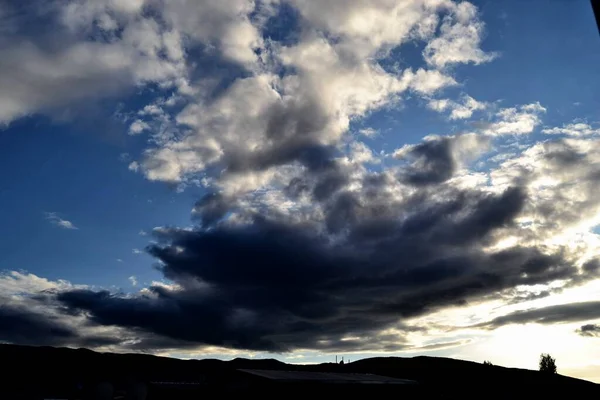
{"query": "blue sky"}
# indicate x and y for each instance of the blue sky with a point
(117, 123)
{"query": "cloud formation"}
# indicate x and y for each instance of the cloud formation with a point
(26, 317)
(133, 280)
(304, 92)
(376, 251)
(342, 253)
(54, 219)
(574, 129)
(306, 238)
(520, 120)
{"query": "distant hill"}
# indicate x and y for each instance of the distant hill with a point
(48, 368)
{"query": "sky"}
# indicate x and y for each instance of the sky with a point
(302, 179)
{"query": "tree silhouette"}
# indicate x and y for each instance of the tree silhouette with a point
(488, 363)
(547, 364)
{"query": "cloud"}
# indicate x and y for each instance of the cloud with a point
(133, 280)
(138, 126)
(573, 312)
(459, 40)
(28, 316)
(361, 153)
(66, 55)
(516, 120)
(303, 93)
(305, 238)
(133, 166)
(56, 220)
(428, 82)
(354, 253)
(589, 330)
(368, 132)
(575, 129)
(457, 110)
(68, 62)
(137, 251)
(562, 178)
(21, 326)
(354, 287)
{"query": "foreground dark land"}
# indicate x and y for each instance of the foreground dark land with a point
(46, 372)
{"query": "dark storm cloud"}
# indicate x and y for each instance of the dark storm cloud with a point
(19, 325)
(549, 315)
(374, 258)
(277, 285)
(589, 330)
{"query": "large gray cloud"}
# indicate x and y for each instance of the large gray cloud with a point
(62, 55)
(370, 251)
(358, 252)
(19, 325)
(276, 285)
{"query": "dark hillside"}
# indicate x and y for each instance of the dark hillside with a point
(43, 371)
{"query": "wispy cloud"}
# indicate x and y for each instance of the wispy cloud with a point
(136, 251)
(55, 219)
(133, 280)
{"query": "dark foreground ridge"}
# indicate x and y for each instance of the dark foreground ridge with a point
(47, 372)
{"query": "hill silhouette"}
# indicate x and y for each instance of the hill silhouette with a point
(43, 371)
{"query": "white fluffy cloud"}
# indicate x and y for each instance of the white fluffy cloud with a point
(561, 177)
(103, 48)
(225, 25)
(573, 129)
(516, 120)
(138, 126)
(256, 130)
(460, 39)
(71, 65)
(331, 78)
(332, 75)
